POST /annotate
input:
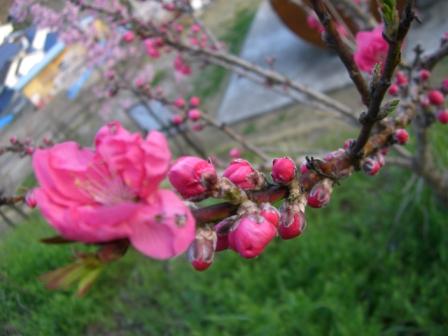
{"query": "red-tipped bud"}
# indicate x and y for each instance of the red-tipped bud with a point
(424, 74)
(320, 194)
(177, 119)
(202, 250)
(372, 164)
(29, 150)
(334, 154)
(349, 143)
(192, 177)
(139, 82)
(436, 97)
(442, 116)
(401, 79)
(243, 175)
(283, 170)
(30, 200)
(128, 37)
(270, 213)
(194, 115)
(222, 230)
(393, 89)
(250, 235)
(235, 153)
(179, 102)
(292, 221)
(195, 101)
(13, 140)
(401, 136)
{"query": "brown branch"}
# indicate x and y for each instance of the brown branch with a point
(431, 60)
(334, 41)
(10, 200)
(379, 88)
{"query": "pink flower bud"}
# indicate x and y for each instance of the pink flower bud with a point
(13, 140)
(401, 136)
(128, 37)
(195, 28)
(320, 194)
(442, 116)
(139, 82)
(30, 200)
(178, 27)
(424, 74)
(179, 102)
(270, 213)
(194, 115)
(29, 150)
(349, 143)
(292, 221)
(401, 79)
(235, 153)
(243, 175)
(202, 249)
(177, 119)
(192, 177)
(195, 101)
(372, 165)
(283, 170)
(436, 97)
(250, 235)
(393, 90)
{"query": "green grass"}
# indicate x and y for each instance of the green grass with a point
(212, 77)
(355, 271)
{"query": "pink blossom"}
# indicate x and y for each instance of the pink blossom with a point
(112, 192)
(129, 36)
(195, 101)
(436, 97)
(194, 115)
(442, 116)
(371, 48)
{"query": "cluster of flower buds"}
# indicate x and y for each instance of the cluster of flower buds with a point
(23, 147)
(254, 225)
(188, 110)
(433, 99)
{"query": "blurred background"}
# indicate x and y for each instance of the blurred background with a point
(374, 262)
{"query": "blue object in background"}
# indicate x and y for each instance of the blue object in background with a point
(74, 90)
(5, 120)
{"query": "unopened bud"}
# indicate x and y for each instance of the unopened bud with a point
(442, 116)
(235, 153)
(202, 250)
(436, 97)
(250, 235)
(292, 221)
(372, 164)
(320, 194)
(424, 74)
(177, 119)
(193, 177)
(393, 89)
(270, 213)
(30, 200)
(243, 175)
(179, 102)
(195, 101)
(283, 170)
(194, 115)
(401, 136)
(401, 79)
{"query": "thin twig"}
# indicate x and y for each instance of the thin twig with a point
(334, 41)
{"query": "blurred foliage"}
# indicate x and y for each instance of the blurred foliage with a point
(212, 77)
